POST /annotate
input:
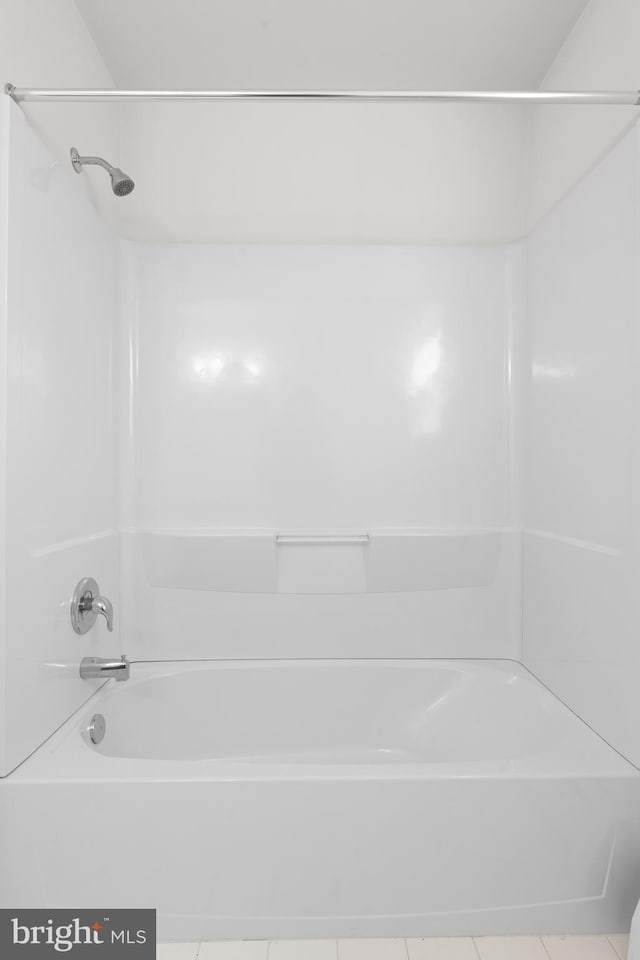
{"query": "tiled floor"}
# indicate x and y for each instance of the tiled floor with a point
(613, 947)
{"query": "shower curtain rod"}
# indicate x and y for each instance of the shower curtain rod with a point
(621, 97)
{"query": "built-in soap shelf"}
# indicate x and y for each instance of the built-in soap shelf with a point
(320, 562)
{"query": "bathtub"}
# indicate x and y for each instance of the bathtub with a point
(291, 799)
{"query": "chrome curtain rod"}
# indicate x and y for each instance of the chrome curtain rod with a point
(629, 98)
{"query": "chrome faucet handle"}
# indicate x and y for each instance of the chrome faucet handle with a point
(102, 606)
(87, 604)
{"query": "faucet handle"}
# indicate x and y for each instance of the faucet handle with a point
(103, 606)
(87, 604)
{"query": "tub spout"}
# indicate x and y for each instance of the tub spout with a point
(96, 668)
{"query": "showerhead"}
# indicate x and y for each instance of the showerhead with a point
(121, 184)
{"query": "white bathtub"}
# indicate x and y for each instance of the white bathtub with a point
(279, 799)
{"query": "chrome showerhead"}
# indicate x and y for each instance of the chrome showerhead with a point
(121, 184)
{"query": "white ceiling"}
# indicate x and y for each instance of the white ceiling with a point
(329, 43)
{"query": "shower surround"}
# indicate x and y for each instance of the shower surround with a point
(303, 460)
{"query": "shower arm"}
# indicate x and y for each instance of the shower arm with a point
(79, 161)
(629, 98)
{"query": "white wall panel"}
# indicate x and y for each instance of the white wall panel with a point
(330, 389)
(60, 522)
(321, 387)
(581, 544)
